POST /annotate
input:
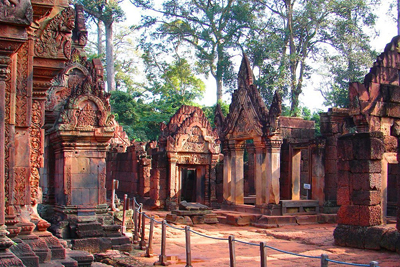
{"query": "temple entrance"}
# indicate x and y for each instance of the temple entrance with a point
(188, 192)
(392, 190)
(193, 183)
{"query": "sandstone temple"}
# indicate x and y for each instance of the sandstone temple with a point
(61, 149)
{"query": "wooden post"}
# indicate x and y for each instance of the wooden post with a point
(143, 241)
(135, 221)
(373, 264)
(163, 257)
(114, 186)
(324, 260)
(232, 260)
(188, 250)
(123, 229)
(149, 250)
(263, 253)
(139, 218)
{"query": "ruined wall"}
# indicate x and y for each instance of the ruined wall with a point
(333, 125)
(296, 133)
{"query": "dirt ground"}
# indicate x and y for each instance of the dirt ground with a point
(310, 240)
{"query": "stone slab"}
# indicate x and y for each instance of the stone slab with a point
(190, 212)
(277, 220)
(306, 219)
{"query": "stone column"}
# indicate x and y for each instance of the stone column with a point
(213, 178)
(237, 182)
(318, 172)
(260, 174)
(227, 174)
(4, 62)
(295, 173)
(173, 178)
(273, 169)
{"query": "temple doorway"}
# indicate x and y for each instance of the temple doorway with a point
(193, 183)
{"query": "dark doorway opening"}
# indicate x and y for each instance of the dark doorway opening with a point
(189, 184)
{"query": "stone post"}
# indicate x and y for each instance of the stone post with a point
(227, 174)
(173, 186)
(260, 174)
(296, 161)
(237, 182)
(318, 172)
(273, 169)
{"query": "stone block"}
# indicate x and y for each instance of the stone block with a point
(238, 220)
(92, 245)
(368, 198)
(210, 218)
(393, 110)
(199, 219)
(343, 179)
(368, 148)
(370, 215)
(277, 220)
(373, 237)
(349, 236)
(389, 239)
(343, 196)
(306, 219)
(366, 181)
(331, 166)
(391, 143)
(349, 215)
(345, 149)
(327, 218)
(365, 166)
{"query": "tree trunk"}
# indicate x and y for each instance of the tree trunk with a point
(218, 77)
(292, 61)
(110, 57)
(100, 33)
(398, 17)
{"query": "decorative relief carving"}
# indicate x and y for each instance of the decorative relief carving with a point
(16, 11)
(8, 194)
(20, 176)
(190, 158)
(36, 151)
(102, 187)
(67, 185)
(55, 41)
(21, 104)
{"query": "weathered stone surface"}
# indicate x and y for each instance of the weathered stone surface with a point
(367, 198)
(389, 239)
(184, 205)
(92, 245)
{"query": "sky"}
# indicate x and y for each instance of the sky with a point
(386, 29)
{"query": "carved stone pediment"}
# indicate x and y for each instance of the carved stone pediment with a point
(16, 12)
(190, 131)
(55, 40)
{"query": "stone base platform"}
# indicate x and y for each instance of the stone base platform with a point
(271, 221)
(372, 237)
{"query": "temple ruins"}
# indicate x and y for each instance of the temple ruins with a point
(61, 149)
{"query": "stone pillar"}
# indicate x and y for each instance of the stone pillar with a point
(273, 169)
(260, 174)
(237, 182)
(227, 174)
(318, 172)
(359, 179)
(173, 179)
(295, 173)
(213, 178)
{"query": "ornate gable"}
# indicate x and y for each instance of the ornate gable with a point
(248, 116)
(189, 131)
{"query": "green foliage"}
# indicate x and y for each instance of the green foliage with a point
(210, 111)
(213, 29)
(107, 11)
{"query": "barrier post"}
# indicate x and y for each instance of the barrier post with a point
(188, 250)
(123, 230)
(232, 257)
(163, 257)
(143, 241)
(263, 253)
(135, 221)
(373, 264)
(139, 219)
(149, 250)
(324, 260)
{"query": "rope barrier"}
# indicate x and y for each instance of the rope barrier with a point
(247, 243)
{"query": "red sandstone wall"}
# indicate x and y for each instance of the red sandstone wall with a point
(124, 168)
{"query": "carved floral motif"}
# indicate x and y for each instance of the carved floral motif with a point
(21, 109)
(16, 11)
(36, 145)
(20, 176)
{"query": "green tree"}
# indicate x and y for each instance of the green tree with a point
(353, 55)
(212, 27)
(291, 36)
(107, 11)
